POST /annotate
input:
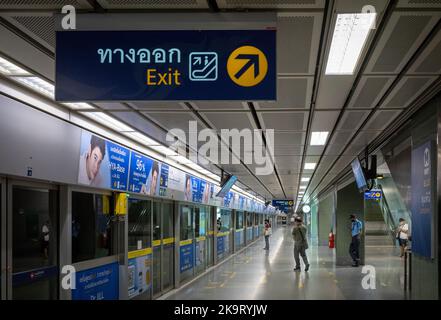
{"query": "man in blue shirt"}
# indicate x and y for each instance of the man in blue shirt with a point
(354, 248)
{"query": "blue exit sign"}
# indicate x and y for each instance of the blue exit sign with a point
(177, 65)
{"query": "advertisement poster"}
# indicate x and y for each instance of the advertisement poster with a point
(228, 199)
(176, 183)
(186, 257)
(102, 163)
(422, 199)
(100, 283)
(220, 245)
(241, 202)
(163, 180)
(196, 189)
(139, 275)
(144, 175)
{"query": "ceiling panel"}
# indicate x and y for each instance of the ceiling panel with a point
(419, 4)
(352, 120)
(288, 162)
(173, 120)
(153, 4)
(228, 120)
(403, 35)
(324, 120)
(406, 91)
(381, 119)
(43, 4)
(219, 105)
(112, 106)
(270, 4)
(284, 121)
(291, 93)
(429, 61)
(142, 124)
(369, 91)
(39, 26)
(294, 32)
(158, 105)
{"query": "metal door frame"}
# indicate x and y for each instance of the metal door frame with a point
(3, 246)
(163, 202)
(11, 183)
(141, 197)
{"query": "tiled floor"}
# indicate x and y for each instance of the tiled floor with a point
(257, 274)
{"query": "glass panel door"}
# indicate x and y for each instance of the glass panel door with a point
(200, 238)
(210, 237)
(34, 239)
(168, 246)
(140, 248)
(157, 236)
(186, 243)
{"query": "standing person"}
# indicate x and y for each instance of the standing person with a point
(300, 244)
(354, 248)
(267, 232)
(403, 235)
(45, 239)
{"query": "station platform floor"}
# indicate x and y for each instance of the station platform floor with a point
(261, 275)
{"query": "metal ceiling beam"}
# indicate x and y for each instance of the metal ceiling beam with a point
(324, 33)
(259, 127)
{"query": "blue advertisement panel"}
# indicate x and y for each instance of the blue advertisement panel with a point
(372, 195)
(163, 180)
(186, 253)
(100, 283)
(228, 199)
(220, 245)
(166, 65)
(422, 199)
(139, 275)
(102, 163)
(140, 167)
(196, 189)
(283, 205)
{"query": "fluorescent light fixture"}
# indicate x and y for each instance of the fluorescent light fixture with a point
(141, 138)
(11, 69)
(302, 187)
(318, 138)
(310, 165)
(37, 84)
(301, 192)
(108, 121)
(305, 179)
(350, 34)
(78, 105)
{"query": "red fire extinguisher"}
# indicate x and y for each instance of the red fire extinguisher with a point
(331, 240)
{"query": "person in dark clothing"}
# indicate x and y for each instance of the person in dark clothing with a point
(300, 244)
(354, 247)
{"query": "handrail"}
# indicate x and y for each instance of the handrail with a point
(388, 218)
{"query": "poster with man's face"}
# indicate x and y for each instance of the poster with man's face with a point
(103, 163)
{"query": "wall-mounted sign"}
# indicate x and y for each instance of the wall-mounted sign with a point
(423, 192)
(100, 283)
(373, 194)
(283, 205)
(166, 65)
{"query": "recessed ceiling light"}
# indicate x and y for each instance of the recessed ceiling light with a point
(350, 34)
(37, 84)
(318, 138)
(310, 165)
(302, 187)
(305, 179)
